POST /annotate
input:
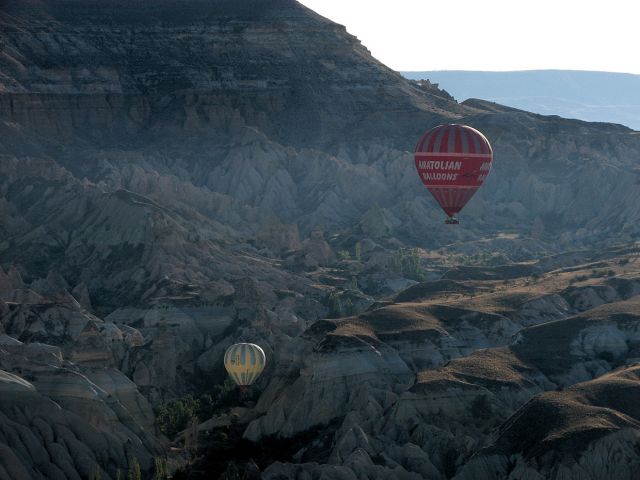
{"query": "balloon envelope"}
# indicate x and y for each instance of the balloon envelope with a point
(244, 362)
(453, 162)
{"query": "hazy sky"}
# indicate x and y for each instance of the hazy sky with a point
(494, 34)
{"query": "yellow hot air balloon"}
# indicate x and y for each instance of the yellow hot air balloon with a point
(244, 362)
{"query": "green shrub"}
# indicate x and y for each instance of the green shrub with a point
(175, 417)
(408, 264)
(344, 255)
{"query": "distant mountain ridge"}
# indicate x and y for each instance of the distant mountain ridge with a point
(584, 95)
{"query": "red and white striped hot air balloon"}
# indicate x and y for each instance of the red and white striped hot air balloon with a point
(453, 161)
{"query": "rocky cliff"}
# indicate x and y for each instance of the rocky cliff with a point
(176, 176)
(455, 413)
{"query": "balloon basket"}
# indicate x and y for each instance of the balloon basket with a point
(451, 221)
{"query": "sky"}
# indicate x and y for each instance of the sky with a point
(500, 35)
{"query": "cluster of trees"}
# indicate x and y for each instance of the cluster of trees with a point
(174, 417)
(337, 307)
(161, 471)
(407, 262)
(346, 255)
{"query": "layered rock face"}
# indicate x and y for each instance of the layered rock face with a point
(176, 176)
(66, 409)
(236, 111)
(584, 424)
(439, 394)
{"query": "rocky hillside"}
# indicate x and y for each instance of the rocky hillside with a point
(179, 175)
(592, 96)
(221, 107)
(452, 384)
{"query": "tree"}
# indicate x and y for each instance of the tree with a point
(335, 305)
(358, 251)
(161, 471)
(191, 438)
(175, 417)
(398, 260)
(412, 268)
(134, 470)
(349, 306)
(344, 254)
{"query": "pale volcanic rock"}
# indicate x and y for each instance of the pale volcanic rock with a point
(92, 347)
(417, 336)
(11, 280)
(11, 384)
(414, 459)
(491, 384)
(63, 382)
(453, 408)
(165, 341)
(119, 408)
(542, 309)
(53, 285)
(279, 236)
(116, 414)
(378, 223)
(412, 335)
(36, 352)
(315, 250)
(6, 340)
(613, 456)
(325, 385)
(81, 293)
(143, 151)
(209, 360)
(40, 440)
(131, 336)
(117, 385)
(156, 366)
(23, 295)
(586, 298)
(586, 427)
(601, 341)
(352, 438)
(359, 466)
(46, 440)
(46, 320)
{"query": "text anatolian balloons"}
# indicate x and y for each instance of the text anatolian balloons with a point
(453, 161)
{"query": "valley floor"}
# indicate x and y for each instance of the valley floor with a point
(512, 371)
